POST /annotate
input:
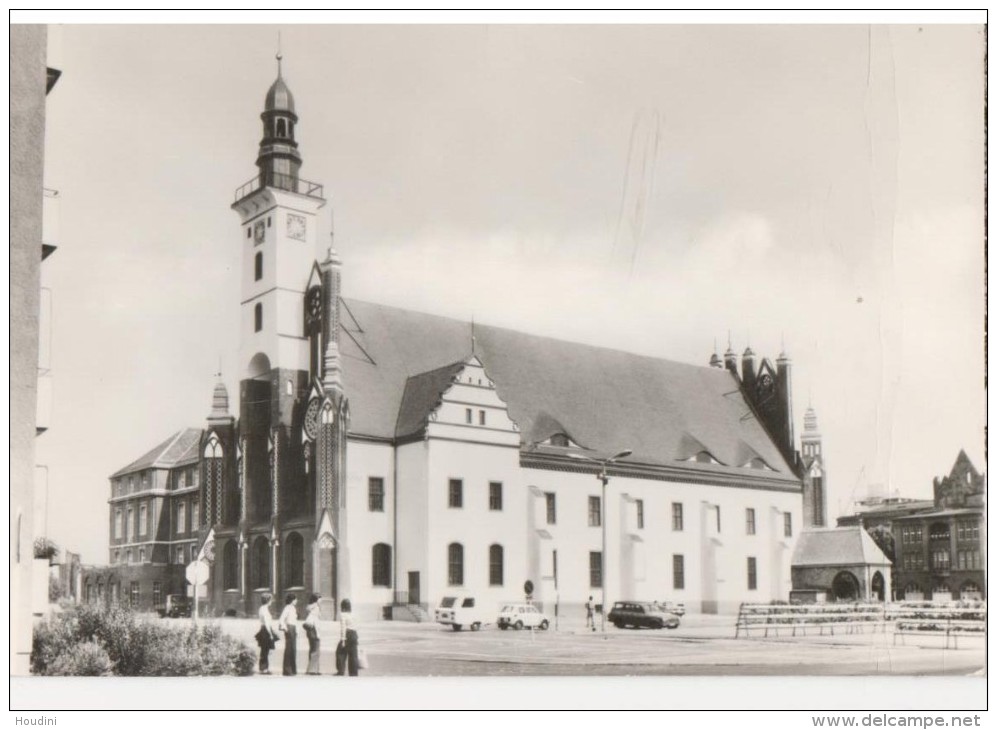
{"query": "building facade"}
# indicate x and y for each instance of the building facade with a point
(941, 551)
(152, 532)
(394, 457)
(30, 81)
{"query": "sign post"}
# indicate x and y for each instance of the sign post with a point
(197, 575)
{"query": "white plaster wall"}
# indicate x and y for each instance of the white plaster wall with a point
(474, 525)
(365, 528)
(645, 568)
(412, 504)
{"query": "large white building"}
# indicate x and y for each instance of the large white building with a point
(394, 457)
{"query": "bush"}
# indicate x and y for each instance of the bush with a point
(136, 646)
(83, 660)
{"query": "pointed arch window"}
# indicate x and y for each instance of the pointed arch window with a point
(230, 566)
(261, 562)
(295, 560)
(258, 317)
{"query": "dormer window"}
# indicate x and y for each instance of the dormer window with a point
(559, 439)
(703, 457)
(758, 463)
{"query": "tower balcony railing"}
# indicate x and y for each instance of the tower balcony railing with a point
(281, 181)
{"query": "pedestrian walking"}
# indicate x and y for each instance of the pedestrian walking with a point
(347, 659)
(310, 624)
(266, 637)
(589, 614)
(289, 625)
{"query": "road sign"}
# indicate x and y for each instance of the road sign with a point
(528, 587)
(197, 572)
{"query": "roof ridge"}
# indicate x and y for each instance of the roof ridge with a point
(576, 343)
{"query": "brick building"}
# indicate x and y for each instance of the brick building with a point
(941, 550)
(153, 518)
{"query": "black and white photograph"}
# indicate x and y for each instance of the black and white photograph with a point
(347, 350)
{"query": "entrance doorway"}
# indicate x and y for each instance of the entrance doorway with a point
(413, 587)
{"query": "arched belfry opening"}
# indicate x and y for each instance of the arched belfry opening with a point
(257, 409)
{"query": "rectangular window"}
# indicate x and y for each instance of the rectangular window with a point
(133, 593)
(595, 570)
(193, 553)
(787, 524)
(554, 559)
(192, 476)
(595, 512)
(181, 517)
(481, 418)
(468, 415)
(455, 497)
(178, 555)
(157, 593)
(551, 500)
(676, 516)
(678, 572)
(752, 574)
(375, 494)
(495, 495)
(640, 514)
(117, 524)
(141, 555)
(143, 519)
(749, 517)
(195, 514)
(718, 519)
(131, 524)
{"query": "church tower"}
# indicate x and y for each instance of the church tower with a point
(814, 474)
(278, 227)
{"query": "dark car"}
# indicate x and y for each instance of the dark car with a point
(640, 614)
(177, 606)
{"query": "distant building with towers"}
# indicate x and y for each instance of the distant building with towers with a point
(395, 457)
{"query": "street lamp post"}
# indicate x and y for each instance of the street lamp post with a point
(603, 476)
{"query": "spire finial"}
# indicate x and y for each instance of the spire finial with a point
(473, 340)
(219, 373)
(714, 345)
(280, 56)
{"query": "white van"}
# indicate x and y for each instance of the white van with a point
(460, 611)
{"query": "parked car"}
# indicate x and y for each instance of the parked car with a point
(668, 607)
(460, 611)
(177, 605)
(522, 616)
(641, 614)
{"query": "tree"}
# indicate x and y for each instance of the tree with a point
(45, 549)
(883, 538)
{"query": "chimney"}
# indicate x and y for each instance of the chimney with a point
(748, 369)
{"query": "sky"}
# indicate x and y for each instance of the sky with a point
(651, 188)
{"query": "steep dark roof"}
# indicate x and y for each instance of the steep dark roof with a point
(179, 448)
(421, 396)
(837, 546)
(606, 399)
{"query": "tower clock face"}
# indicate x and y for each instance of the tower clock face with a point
(296, 226)
(259, 231)
(311, 418)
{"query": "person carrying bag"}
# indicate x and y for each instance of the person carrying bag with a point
(266, 637)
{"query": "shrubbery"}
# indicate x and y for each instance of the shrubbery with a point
(94, 641)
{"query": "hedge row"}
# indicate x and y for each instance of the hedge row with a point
(98, 641)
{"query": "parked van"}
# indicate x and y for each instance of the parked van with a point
(460, 611)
